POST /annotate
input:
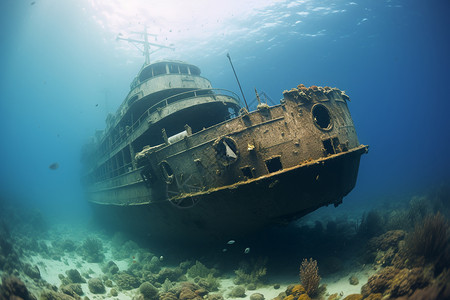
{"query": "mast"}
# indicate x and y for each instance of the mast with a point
(145, 43)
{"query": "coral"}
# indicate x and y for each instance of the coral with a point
(214, 297)
(110, 268)
(96, 286)
(406, 281)
(439, 289)
(114, 292)
(9, 259)
(376, 296)
(334, 296)
(14, 288)
(199, 270)
(385, 248)
(387, 240)
(255, 272)
(73, 290)
(64, 245)
(167, 285)
(189, 290)
(92, 250)
(51, 295)
(173, 274)
(167, 296)
(304, 297)
(32, 271)
(353, 297)
(237, 292)
(396, 282)
(108, 283)
(184, 265)
(126, 281)
(297, 290)
(294, 292)
(430, 238)
(149, 291)
(209, 283)
(256, 296)
(353, 280)
(379, 282)
(75, 276)
(309, 276)
(153, 265)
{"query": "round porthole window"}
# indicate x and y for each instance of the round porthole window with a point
(226, 150)
(321, 117)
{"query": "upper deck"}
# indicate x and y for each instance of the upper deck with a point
(158, 81)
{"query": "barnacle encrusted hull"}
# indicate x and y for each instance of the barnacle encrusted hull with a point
(267, 166)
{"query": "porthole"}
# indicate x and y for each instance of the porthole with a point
(321, 116)
(226, 150)
(166, 171)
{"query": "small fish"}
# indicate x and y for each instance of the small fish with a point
(224, 250)
(33, 3)
(54, 166)
(231, 242)
(247, 250)
(161, 258)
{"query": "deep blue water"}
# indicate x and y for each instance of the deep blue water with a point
(62, 71)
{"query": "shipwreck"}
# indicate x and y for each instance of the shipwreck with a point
(181, 159)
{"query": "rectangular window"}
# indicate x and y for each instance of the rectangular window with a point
(247, 172)
(274, 164)
(328, 146)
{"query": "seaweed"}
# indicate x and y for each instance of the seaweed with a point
(199, 270)
(429, 238)
(209, 283)
(254, 273)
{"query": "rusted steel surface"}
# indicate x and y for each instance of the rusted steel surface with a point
(192, 174)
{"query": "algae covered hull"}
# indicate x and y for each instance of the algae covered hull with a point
(181, 159)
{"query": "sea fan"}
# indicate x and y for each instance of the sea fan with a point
(309, 276)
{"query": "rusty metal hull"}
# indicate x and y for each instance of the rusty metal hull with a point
(178, 174)
(244, 207)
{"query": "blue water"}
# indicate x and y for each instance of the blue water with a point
(62, 71)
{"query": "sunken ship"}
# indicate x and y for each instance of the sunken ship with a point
(183, 160)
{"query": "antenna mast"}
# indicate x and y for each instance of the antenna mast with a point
(145, 43)
(237, 79)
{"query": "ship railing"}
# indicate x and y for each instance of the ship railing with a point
(166, 102)
(184, 96)
(113, 173)
(178, 97)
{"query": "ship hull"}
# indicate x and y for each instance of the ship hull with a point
(241, 208)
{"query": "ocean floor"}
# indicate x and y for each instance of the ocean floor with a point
(384, 253)
(54, 267)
